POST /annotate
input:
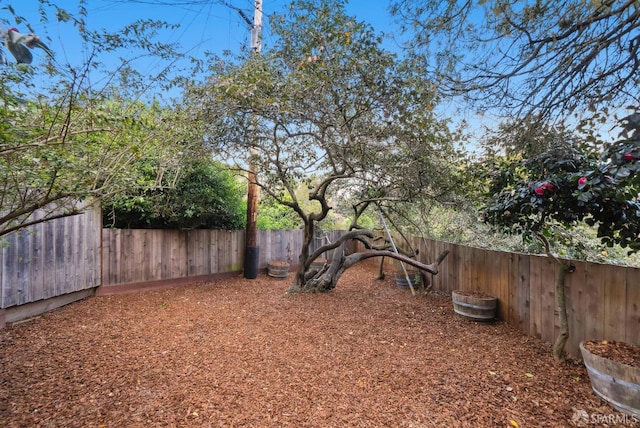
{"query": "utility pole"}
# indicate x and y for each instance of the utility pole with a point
(252, 251)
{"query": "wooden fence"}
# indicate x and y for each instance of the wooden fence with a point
(50, 259)
(72, 254)
(142, 255)
(603, 301)
(75, 254)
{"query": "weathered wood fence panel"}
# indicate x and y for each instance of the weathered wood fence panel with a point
(141, 255)
(50, 259)
(603, 301)
(75, 253)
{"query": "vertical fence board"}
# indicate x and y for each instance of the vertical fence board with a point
(463, 269)
(453, 260)
(59, 259)
(179, 254)
(212, 245)
(632, 320)
(500, 276)
(265, 244)
(535, 297)
(237, 251)
(193, 245)
(37, 272)
(513, 289)
(575, 305)
(594, 293)
(14, 270)
(126, 272)
(614, 314)
(446, 278)
(524, 292)
(549, 319)
(475, 271)
(228, 261)
(109, 254)
(219, 248)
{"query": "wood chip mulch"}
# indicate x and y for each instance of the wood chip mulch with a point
(621, 352)
(244, 353)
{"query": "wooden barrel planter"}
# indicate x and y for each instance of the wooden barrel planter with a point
(474, 305)
(278, 269)
(401, 279)
(318, 263)
(614, 381)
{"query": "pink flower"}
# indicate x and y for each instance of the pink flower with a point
(582, 181)
(628, 157)
(542, 188)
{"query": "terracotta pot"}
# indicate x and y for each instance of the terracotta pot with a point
(278, 269)
(474, 306)
(615, 382)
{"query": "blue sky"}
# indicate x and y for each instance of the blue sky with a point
(213, 25)
(204, 25)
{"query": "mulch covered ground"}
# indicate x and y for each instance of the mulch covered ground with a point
(245, 353)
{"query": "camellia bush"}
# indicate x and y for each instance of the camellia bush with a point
(568, 185)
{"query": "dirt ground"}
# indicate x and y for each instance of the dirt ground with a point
(239, 352)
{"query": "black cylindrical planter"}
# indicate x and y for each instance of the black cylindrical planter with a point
(251, 262)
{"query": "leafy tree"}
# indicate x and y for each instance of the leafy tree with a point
(205, 195)
(540, 57)
(567, 185)
(274, 216)
(328, 107)
(65, 143)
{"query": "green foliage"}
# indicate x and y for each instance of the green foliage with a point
(275, 216)
(329, 108)
(205, 196)
(66, 143)
(571, 185)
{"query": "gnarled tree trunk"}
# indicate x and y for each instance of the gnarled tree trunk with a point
(325, 278)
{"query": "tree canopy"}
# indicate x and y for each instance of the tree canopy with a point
(544, 57)
(328, 102)
(66, 142)
(570, 183)
(203, 195)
